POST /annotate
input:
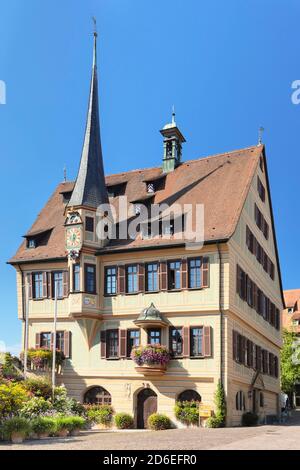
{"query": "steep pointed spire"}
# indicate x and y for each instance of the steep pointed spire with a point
(90, 189)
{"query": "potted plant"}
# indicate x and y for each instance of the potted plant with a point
(100, 415)
(151, 359)
(76, 423)
(16, 429)
(62, 424)
(43, 426)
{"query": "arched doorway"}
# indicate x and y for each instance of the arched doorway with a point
(189, 395)
(146, 405)
(97, 396)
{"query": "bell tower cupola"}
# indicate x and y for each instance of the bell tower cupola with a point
(173, 140)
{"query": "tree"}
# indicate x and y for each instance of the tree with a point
(290, 364)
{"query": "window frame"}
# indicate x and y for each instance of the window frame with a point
(34, 290)
(109, 332)
(171, 330)
(53, 274)
(89, 224)
(110, 276)
(149, 330)
(169, 269)
(154, 273)
(86, 267)
(135, 280)
(189, 261)
(76, 273)
(129, 347)
(196, 327)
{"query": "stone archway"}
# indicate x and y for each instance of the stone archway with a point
(146, 405)
(189, 395)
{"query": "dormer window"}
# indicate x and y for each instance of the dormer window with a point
(290, 310)
(150, 188)
(115, 190)
(31, 243)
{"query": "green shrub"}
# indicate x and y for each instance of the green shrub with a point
(249, 419)
(158, 422)
(76, 422)
(39, 387)
(187, 412)
(124, 421)
(215, 422)
(100, 414)
(12, 398)
(62, 423)
(43, 425)
(34, 407)
(15, 424)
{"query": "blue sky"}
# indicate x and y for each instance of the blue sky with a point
(227, 66)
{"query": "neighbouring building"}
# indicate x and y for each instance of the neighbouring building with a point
(290, 319)
(217, 308)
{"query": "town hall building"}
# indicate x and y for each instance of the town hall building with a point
(216, 306)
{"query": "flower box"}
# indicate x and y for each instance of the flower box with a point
(151, 369)
(151, 360)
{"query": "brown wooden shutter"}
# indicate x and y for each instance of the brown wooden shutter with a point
(141, 277)
(29, 282)
(238, 280)
(163, 275)
(248, 237)
(67, 344)
(184, 274)
(103, 344)
(121, 279)
(66, 283)
(49, 282)
(44, 274)
(205, 272)
(234, 344)
(37, 340)
(52, 341)
(122, 343)
(250, 353)
(186, 341)
(207, 341)
(243, 358)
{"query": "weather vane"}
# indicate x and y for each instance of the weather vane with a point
(173, 114)
(260, 135)
(95, 26)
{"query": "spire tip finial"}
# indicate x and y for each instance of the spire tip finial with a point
(95, 26)
(173, 114)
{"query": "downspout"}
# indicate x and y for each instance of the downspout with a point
(23, 299)
(221, 314)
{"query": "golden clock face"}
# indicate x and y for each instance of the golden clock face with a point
(73, 238)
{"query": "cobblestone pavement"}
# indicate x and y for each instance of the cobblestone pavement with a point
(286, 436)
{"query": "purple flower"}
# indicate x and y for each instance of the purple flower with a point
(150, 355)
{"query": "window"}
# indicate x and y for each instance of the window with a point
(189, 395)
(176, 341)
(110, 280)
(112, 343)
(151, 277)
(240, 401)
(89, 224)
(261, 163)
(154, 336)
(174, 273)
(261, 190)
(261, 400)
(45, 340)
(133, 340)
(265, 364)
(60, 341)
(261, 222)
(290, 310)
(31, 243)
(196, 342)
(150, 188)
(76, 277)
(38, 285)
(58, 284)
(258, 358)
(194, 273)
(97, 396)
(132, 279)
(90, 278)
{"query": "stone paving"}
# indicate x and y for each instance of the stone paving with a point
(285, 436)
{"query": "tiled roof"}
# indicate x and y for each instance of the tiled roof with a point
(291, 297)
(220, 182)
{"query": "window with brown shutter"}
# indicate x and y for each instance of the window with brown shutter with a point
(234, 345)
(121, 280)
(29, 284)
(44, 284)
(205, 272)
(186, 341)
(163, 275)
(49, 282)
(37, 340)
(261, 189)
(258, 357)
(65, 283)
(276, 371)
(123, 343)
(141, 277)
(207, 346)
(184, 274)
(67, 344)
(103, 344)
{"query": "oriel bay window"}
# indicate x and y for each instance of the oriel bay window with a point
(133, 340)
(110, 277)
(154, 336)
(151, 277)
(90, 278)
(176, 346)
(132, 279)
(174, 275)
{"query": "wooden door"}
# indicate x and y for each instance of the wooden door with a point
(146, 406)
